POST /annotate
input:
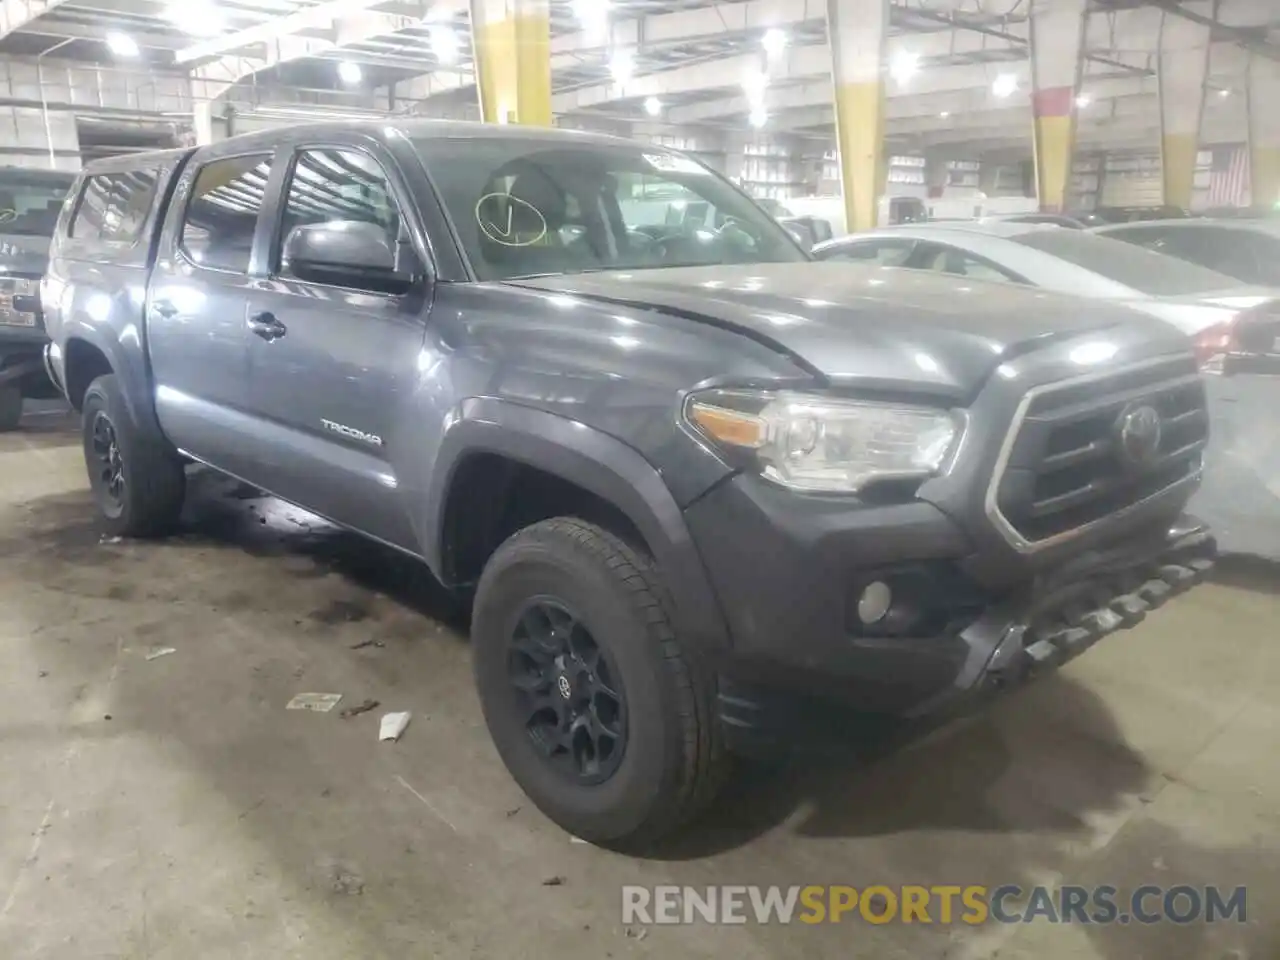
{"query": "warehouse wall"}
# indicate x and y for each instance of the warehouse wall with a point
(39, 103)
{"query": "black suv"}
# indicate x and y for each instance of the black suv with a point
(695, 482)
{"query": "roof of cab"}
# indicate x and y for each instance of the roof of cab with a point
(136, 161)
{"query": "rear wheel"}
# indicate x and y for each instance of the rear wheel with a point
(10, 407)
(601, 716)
(137, 483)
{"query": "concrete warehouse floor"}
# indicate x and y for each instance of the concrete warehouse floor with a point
(172, 808)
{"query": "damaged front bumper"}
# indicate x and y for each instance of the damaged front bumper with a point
(1062, 615)
(1031, 630)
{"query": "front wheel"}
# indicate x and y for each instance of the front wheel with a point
(600, 715)
(10, 407)
(137, 483)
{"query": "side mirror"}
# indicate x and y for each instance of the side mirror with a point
(347, 253)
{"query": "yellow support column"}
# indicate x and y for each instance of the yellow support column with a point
(512, 42)
(1055, 137)
(860, 138)
(1178, 152)
(857, 31)
(1057, 38)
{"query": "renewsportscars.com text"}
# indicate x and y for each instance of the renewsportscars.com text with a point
(939, 904)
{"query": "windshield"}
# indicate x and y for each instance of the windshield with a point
(524, 207)
(30, 202)
(1138, 268)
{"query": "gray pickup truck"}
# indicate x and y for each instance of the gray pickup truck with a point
(700, 489)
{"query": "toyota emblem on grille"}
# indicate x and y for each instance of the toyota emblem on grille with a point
(1139, 430)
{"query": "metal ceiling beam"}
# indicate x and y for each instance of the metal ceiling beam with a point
(68, 30)
(1247, 37)
(16, 14)
(798, 63)
(320, 16)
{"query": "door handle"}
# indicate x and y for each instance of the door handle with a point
(266, 326)
(164, 308)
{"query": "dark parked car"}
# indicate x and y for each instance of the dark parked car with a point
(1102, 215)
(1052, 219)
(1248, 250)
(694, 482)
(29, 205)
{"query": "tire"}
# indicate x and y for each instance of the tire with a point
(10, 407)
(672, 759)
(137, 483)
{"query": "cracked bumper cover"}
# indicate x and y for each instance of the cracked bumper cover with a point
(785, 577)
(1054, 621)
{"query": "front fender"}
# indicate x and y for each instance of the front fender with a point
(599, 463)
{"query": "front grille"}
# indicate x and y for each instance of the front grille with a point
(1084, 450)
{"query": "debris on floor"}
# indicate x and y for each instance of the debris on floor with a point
(513, 811)
(319, 702)
(637, 933)
(159, 652)
(393, 725)
(556, 881)
(355, 711)
(578, 840)
(112, 540)
(367, 643)
(346, 881)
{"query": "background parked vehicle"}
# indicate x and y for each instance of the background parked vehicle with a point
(29, 204)
(1248, 250)
(1235, 328)
(656, 451)
(1053, 219)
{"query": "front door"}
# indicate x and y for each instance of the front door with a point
(332, 366)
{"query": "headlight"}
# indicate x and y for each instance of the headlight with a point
(816, 443)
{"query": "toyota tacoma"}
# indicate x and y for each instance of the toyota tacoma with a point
(693, 483)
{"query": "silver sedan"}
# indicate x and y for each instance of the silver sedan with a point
(1235, 329)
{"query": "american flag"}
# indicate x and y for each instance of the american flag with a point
(1229, 177)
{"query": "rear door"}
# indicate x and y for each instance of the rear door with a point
(196, 312)
(333, 365)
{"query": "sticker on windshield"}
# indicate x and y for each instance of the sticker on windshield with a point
(671, 163)
(496, 215)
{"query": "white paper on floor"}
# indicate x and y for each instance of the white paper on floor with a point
(393, 725)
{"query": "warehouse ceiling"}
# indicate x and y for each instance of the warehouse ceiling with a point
(959, 68)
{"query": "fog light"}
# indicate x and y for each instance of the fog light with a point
(874, 604)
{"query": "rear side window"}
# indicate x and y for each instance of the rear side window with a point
(114, 206)
(222, 213)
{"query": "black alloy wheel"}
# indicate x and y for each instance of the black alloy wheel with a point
(107, 464)
(569, 691)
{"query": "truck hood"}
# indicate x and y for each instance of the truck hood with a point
(846, 321)
(21, 255)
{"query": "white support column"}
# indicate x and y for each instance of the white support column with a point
(1182, 68)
